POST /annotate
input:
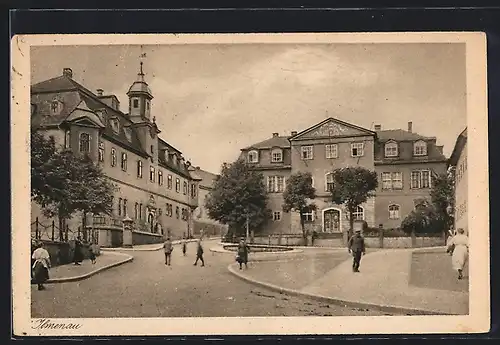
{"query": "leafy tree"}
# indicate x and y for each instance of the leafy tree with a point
(239, 192)
(64, 183)
(352, 186)
(443, 197)
(423, 219)
(297, 197)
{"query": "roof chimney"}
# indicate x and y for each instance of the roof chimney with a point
(67, 72)
(275, 135)
(440, 149)
(378, 127)
(99, 92)
(410, 126)
(294, 133)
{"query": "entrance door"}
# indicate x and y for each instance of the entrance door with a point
(331, 221)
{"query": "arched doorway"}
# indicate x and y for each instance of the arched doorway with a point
(332, 220)
(151, 222)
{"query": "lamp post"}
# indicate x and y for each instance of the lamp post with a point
(127, 232)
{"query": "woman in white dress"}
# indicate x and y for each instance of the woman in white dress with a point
(460, 243)
(41, 266)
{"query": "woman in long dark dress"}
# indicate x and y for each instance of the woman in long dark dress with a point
(78, 255)
(242, 257)
(41, 266)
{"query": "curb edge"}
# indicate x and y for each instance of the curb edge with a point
(90, 274)
(334, 300)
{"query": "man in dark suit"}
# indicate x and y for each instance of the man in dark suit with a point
(357, 247)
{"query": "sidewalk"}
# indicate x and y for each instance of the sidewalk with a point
(384, 283)
(71, 272)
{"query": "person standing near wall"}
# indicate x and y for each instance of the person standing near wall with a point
(41, 265)
(78, 254)
(460, 254)
(168, 248)
(184, 245)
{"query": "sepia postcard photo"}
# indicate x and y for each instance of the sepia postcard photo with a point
(250, 184)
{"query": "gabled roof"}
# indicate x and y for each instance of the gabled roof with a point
(399, 135)
(280, 141)
(61, 83)
(332, 127)
(206, 177)
(459, 146)
(82, 111)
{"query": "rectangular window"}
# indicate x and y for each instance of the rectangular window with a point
(280, 184)
(386, 180)
(139, 169)
(193, 191)
(331, 151)
(124, 161)
(177, 212)
(392, 180)
(275, 184)
(140, 211)
(113, 157)
(177, 185)
(160, 177)
(277, 216)
(124, 207)
(101, 151)
(136, 103)
(136, 210)
(277, 156)
(120, 205)
(397, 180)
(357, 149)
(185, 188)
(67, 140)
(306, 152)
(308, 217)
(152, 174)
(420, 179)
(169, 181)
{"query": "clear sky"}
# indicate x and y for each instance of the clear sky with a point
(212, 100)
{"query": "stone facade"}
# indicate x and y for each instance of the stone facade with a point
(458, 160)
(408, 158)
(155, 187)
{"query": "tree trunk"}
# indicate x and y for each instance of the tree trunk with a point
(351, 223)
(84, 225)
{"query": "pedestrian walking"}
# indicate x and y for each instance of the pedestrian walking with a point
(460, 244)
(357, 248)
(184, 245)
(168, 248)
(93, 252)
(242, 256)
(78, 254)
(313, 237)
(199, 254)
(41, 265)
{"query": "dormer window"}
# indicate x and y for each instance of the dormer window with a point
(115, 125)
(391, 149)
(277, 155)
(420, 148)
(253, 156)
(128, 133)
(55, 107)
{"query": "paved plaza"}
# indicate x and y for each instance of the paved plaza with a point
(145, 287)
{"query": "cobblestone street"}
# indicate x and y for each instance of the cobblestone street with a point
(147, 288)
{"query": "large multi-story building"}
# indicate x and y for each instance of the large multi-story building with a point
(155, 187)
(200, 214)
(404, 161)
(458, 160)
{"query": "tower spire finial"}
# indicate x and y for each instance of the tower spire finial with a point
(141, 72)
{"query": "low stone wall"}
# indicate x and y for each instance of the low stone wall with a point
(404, 242)
(277, 241)
(258, 248)
(330, 242)
(140, 237)
(61, 253)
